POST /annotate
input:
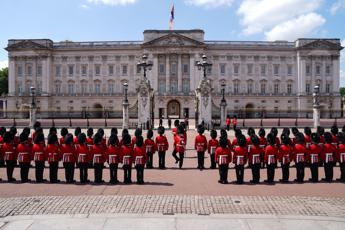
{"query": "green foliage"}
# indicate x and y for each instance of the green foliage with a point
(4, 81)
(342, 91)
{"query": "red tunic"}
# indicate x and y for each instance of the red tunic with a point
(212, 146)
(126, 151)
(62, 140)
(54, 153)
(24, 153)
(254, 154)
(113, 154)
(200, 143)
(174, 131)
(307, 139)
(334, 139)
(98, 154)
(285, 152)
(234, 121)
(240, 155)
(83, 154)
(341, 153)
(162, 143)
(179, 143)
(139, 155)
(68, 153)
(39, 152)
(8, 152)
(150, 146)
(314, 153)
(220, 151)
(263, 141)
(248, 141)
(328, 153)
(228, 121)
(299, 153)
(271, 154)
(75, 140)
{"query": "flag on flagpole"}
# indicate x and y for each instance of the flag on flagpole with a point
(172, 17)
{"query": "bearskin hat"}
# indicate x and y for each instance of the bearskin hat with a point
(52, 130)
(39, 138)
(176, 123)
(320, 130)
(223, 142)
(36, 125)
(262, 132)
(64, 132)
(250, 131)
(124, 132)
(149, 134)
(274, 131)
(77, 131)
(138, 132)
(286, 131)
(113, 131)
(343, 129)
(201, 129)
(89, 132)
(271, 138)
(8, 137)
(97, 138)
(2, 131)
(68, 138)
(223, 133)
(328, 137)
(341, 137)
(299, 138)
(161, 130)
(23, 137)
(111, 140)
(255, 140)
(294, 131)
(101, 132)
(238, 132)
(241, 140)
(180, 129)
(139, 141)
(81, 138)
(126, 139)
(307, 131)
(315, 138)
(213, 134)
(13, 130)
(285, 139)
(334, 130)
(52, 139)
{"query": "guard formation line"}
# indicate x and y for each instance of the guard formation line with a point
(92, 151)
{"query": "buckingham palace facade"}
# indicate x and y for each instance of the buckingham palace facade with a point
(86, 78)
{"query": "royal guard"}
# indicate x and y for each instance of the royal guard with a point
(223, 158)
(321, 130)
(124, 132)
(140, 159)
(250, 133)
(104, 139)
(341, 155)
(52, 130)
(26, 130)
(299, 156)
(77, 131)
(162, 146)
(263, 143)
(213, 144)
(274, 131)
(150, 147)
(238, 133)
(2, 132)
(126, 158)
(234, 122)
(254, 159)
(138, 132)
(9, 153)
(295, 132)
(240, 158)
(271, 153)
(180, 144)
(15, 138)
(63, 133)
(24, 157)
(224, 134)
(98, 156)
(307, 136)
(40, 156)
(83, 157)
(334, 131)
(69, 158)
(114, 132)
(313, 157)
(200, 145)
(89, 139)
(328, 157)
(228, 122)
(113, 156)
(174, 132)
(37, 125)
(284, 156)
(54, 157)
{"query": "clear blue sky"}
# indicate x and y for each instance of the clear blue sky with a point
(88, 20)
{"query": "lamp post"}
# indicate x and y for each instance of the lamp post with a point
(33, 106)
(125, 104)
(316, 106)
(203, 64)
(222, 106)
(144, 65)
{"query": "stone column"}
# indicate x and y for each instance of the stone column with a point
(45, 76)
(316, 107)
(335, 74)
(223, 105)
(192, 72)
(144, 103)
(12, 77)
(179, 73)
(203, 93)
(167, 72)
(125, 115)
(301, 65)
(154, 79)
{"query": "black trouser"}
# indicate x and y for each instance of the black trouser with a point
(300, 172)
(239, 173)
(53, 171)
(161, 160)
(69, 171)
(9, 168)
(140, 174)
(149, 163)
(262, 159)
(83, 168)
(223, 172)
(342, 171)
(24, 171)
(127, 174)
(113, 173)
(39, 169)
(270, 172)
(213, 162)
(328, 167)
(256, 172)
(285, 172)
(201, 160)
(174, 154)
(98, 172)
(314, 170)
(181, 156)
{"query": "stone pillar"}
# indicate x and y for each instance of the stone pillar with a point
(45, 76)
(192, 72)
(154, 78)
(32, 116)
(12, 77)
(167, 73)
(203, 93)
(223, 105)
(144, 102)
(179, 73)
(335, 74)
(125, 115)
(301, 68)
(316, 107)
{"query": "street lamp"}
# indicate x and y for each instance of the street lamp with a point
(125, 104)
(33, 106)
(222, 106)
(223, 91)
(125, 88)
(144, 65)
(203, 64)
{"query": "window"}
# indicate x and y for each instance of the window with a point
(289, 88)
(318, 70)
(185, 86)
(222, 69)
(29, 70)
(236, 69)
(276, 88)
(173, 68)
(39, 87)
(161, 87)
(70, 88)
(161, 69)
(20, 88)
(307, 88)
(185, 68)
(276, 70)
(97, 88)
(250, 69)
(58, 71)
(70, 70)
(98, 70)
(307, 70)
(250, 88)
(263, 70)
(110, 70)
(124, 70)
(20, 71)
(83, 70)
(263, 88)
(328, 88)
(328, 70)
(289, 70)
(110, 88)
(236, 87)
(57, 88)
(39, 70)
(83, 88)
(173, 87)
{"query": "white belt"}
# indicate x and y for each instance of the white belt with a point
(314, 158)
(239, 160)
(271, 159)
(329, 157)
(300, 157)
(256, 158)
(213, 149)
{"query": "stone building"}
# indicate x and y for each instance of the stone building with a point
(261, 78)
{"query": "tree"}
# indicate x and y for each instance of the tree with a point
(342, 91)
(4, 81)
